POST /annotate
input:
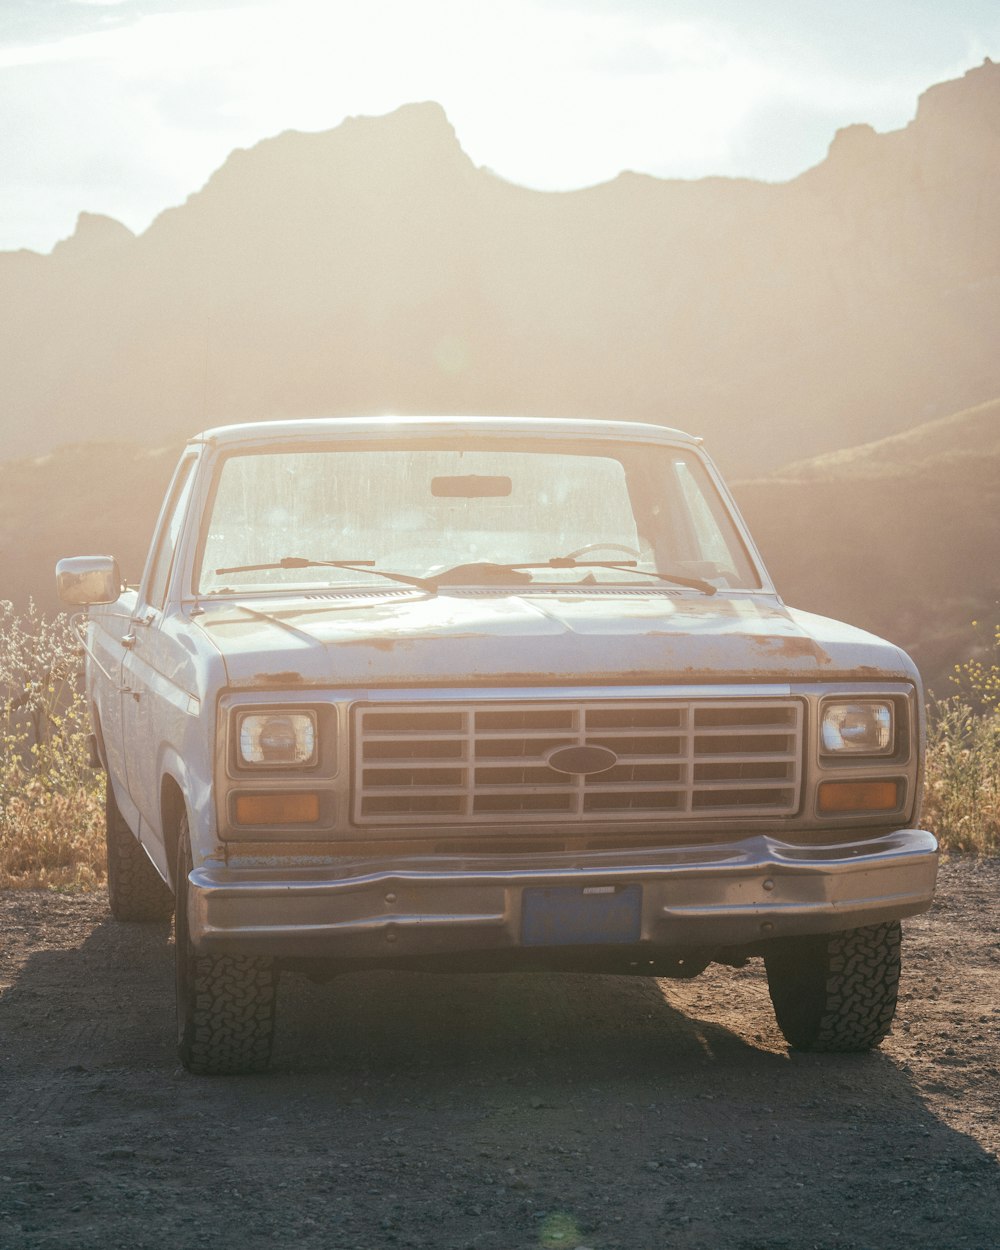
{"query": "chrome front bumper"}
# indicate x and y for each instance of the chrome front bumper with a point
(722, 895)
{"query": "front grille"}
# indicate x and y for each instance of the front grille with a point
(487, 763)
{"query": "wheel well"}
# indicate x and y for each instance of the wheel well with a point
(172, 809)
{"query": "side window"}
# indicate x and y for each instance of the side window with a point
(169, 532)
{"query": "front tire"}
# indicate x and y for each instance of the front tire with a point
(225, 1003)
(836, 991)
(136, 891)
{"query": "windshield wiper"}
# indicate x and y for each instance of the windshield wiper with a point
(362, 566)
(461, 571)
(693, 583)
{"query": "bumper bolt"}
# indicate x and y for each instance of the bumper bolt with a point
(391, 935)
(769, 884)
(767, 927)
(390, 897)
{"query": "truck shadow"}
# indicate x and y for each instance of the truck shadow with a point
(623, 1107)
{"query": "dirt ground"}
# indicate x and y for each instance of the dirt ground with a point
(496, 1112)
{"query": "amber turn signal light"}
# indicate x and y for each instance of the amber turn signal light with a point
(858, 796)
(277, 809)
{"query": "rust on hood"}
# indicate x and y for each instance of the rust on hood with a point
(376, 643)
(793, 647)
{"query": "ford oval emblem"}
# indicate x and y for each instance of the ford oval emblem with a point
(581, 761)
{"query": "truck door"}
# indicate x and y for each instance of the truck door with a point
(106, 630)
(156, 671)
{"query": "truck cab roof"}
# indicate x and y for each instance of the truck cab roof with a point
(322, 428)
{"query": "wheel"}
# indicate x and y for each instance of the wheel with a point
(225, 1003)
(582, 551)
(836, 991)
(136, 891)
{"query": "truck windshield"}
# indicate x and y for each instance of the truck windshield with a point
(422, 509)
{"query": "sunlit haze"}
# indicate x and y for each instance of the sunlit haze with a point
(125, 107)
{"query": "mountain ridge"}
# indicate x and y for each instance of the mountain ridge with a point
(373, 267)
(971, 432)
(901, 535)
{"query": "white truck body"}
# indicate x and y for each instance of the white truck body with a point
(598, 762)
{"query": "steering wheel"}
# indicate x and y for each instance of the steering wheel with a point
(582, 551)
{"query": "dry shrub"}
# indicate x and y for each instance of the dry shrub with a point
(962, 792)
(51, 800)
(51, 840)
(962, 787)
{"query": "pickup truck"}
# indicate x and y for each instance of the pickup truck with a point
(484, 694)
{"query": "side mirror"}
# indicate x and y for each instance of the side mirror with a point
(82, 580)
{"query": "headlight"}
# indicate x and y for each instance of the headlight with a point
(857, 728)
(276, 739)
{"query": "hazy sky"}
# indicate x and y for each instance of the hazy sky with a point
(126, 106)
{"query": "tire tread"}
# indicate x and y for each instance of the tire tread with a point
(226, 1004)
(837, 993)
(231, 1016)
(136, 891)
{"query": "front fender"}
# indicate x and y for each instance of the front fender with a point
(194, 782)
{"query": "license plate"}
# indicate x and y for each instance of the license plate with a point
(581, 915)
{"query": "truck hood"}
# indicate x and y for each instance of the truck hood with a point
(469, 638)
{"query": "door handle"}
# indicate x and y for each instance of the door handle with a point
(129, 641)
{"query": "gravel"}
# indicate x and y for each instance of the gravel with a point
(496, 1112)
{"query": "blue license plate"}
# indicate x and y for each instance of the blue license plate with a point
(581, 915)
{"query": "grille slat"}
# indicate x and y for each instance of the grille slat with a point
(740, 783)
(485, 763)
(411, 764)
(749, 757)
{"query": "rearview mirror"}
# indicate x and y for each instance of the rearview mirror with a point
(82, 580)
(471, 486)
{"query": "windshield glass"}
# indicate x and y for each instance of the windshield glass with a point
(422, 509)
